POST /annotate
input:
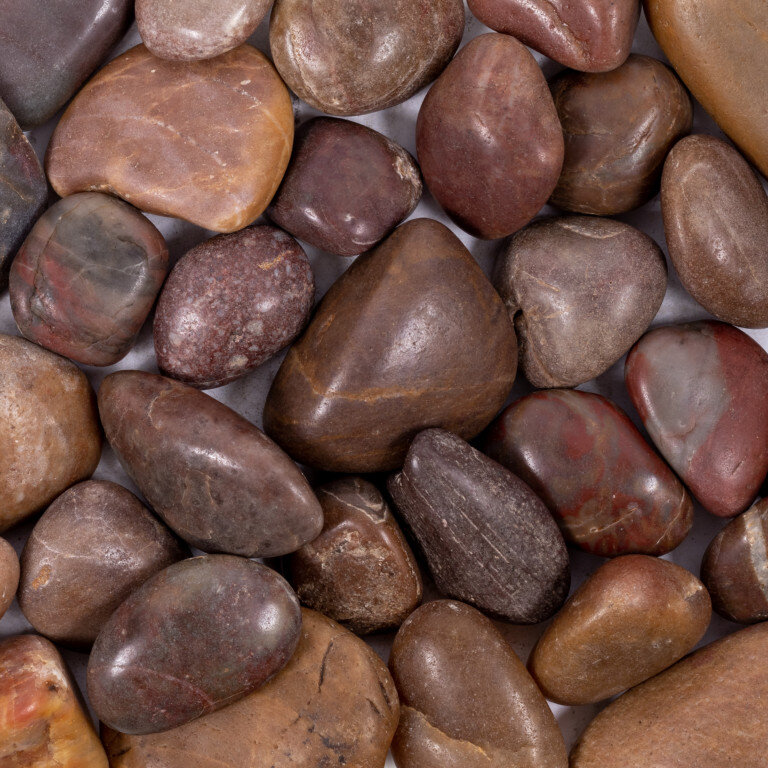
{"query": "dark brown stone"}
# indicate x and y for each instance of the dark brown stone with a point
(9, 575)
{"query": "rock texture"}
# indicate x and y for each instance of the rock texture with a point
(9, 575)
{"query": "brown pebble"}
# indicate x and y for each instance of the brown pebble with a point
(9, 575)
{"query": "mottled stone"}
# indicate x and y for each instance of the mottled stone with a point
(412, 335)
(618, 128)
(9, 575)
(346, 188)
(488, 539)
(609, 492)
(466, 699)
(49, 428)
(488, 138)
(195, 637)
(230, 304)
(209, 141)
(91, 548)
(360, 571)
(350, 57)
(213, 477)
(702, 392)
(333, 704)
(86, 278)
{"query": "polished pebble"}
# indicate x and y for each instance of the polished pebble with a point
(9, 576)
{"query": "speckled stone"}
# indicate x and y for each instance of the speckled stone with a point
(9, 575)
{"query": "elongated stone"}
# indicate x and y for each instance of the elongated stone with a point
(9, 575)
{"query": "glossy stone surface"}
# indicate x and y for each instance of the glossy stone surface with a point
(707, 710)
(333, 704)
(50, 47)
(608, 490)
(346, 188)
(350, 57)
(488, 139)
(581, 291)
(702, 392)
(91, 548)
(721, 53)
(41, 720)
(195, 637)
(360, 571)
(466, 698)
(9, 575)
(86, 278)
(209, 140)
(487, 538)
(618, 128)
(716, 224)
(411, 335)
(49, 428)
(230, 304)
(213, 477)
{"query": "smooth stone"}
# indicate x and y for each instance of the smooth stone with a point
(214, 478)
(333, 704)
(608, 490)
(721, 53)
(487, 538)
(346, 188)
(351, 57)
(412, 335)
(230, 304)
(467, 701)
(88, 552)
(195, 637)
(86, 278)
(49, 49)
(707, 710)
(581, 291)
(209, 141)
(49, 428)
(9, 575)
(702, 393)
(360, 570)
(716, 223)
(618, 128)
(488, 139)
(42, 723)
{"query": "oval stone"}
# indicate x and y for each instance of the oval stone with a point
(487, 538)
(609, 492)
(91, 548)
(209, 141)
(195, 637)
(458, 712)
(351, 57)
(716, 224)
(230, 304)
(488, 138)
(411, 335)
(214, 478)
(702, 392)
(86, 278)
(9, 575)
(618, 128)
(346, 188)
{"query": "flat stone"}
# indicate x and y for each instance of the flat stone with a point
(49, 428)
(702, 392)
(9, 575)
(412, 335)
(487, 538)
(333, 704)
(346, 188)
(194, 638)
(209, 140)
(608, 490)
(91, 548)
(230, 304)
(488, 139)
(86, 278)
(360, 570)
(458, 712)
(215, 479)
(618, 128)
(351, 57)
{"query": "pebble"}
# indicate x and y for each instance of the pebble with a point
(9, 575)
